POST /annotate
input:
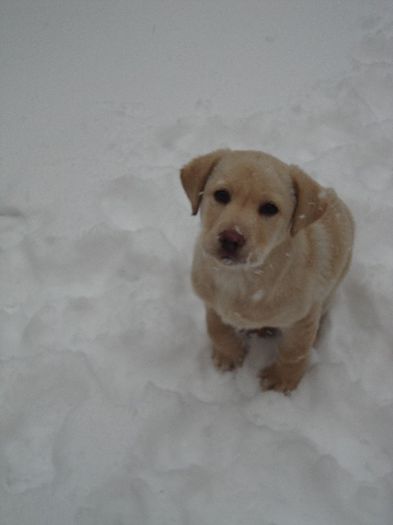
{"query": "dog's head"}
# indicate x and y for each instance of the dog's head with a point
(250, 203)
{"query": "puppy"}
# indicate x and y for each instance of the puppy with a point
(274, 245)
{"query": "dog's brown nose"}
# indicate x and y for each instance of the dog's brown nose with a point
(231, 241)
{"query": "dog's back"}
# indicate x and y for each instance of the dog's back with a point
(330, 241)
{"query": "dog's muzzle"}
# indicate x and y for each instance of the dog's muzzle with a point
(231, 242)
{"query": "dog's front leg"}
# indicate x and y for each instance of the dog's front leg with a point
(228, 348)
(286, 372)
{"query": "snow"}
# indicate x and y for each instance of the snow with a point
(110, 409)
(257, 296)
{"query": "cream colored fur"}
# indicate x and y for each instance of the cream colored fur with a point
(287, 270)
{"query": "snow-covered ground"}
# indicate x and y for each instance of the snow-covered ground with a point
(110, 410)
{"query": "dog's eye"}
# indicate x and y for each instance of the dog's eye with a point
(268, 209)
(222, 196)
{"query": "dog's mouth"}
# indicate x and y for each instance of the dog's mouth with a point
(223, 258)
(229, 260)
(236, 260)
(250, 260)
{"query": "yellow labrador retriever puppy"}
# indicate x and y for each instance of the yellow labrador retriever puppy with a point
(273, 247)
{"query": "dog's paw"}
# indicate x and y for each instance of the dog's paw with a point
(226, 363)
(274, 378)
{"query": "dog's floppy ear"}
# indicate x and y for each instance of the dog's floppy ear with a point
(310, 203)
(195, 174)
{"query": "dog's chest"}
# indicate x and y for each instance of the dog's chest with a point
(239, 300)
(246, 300)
